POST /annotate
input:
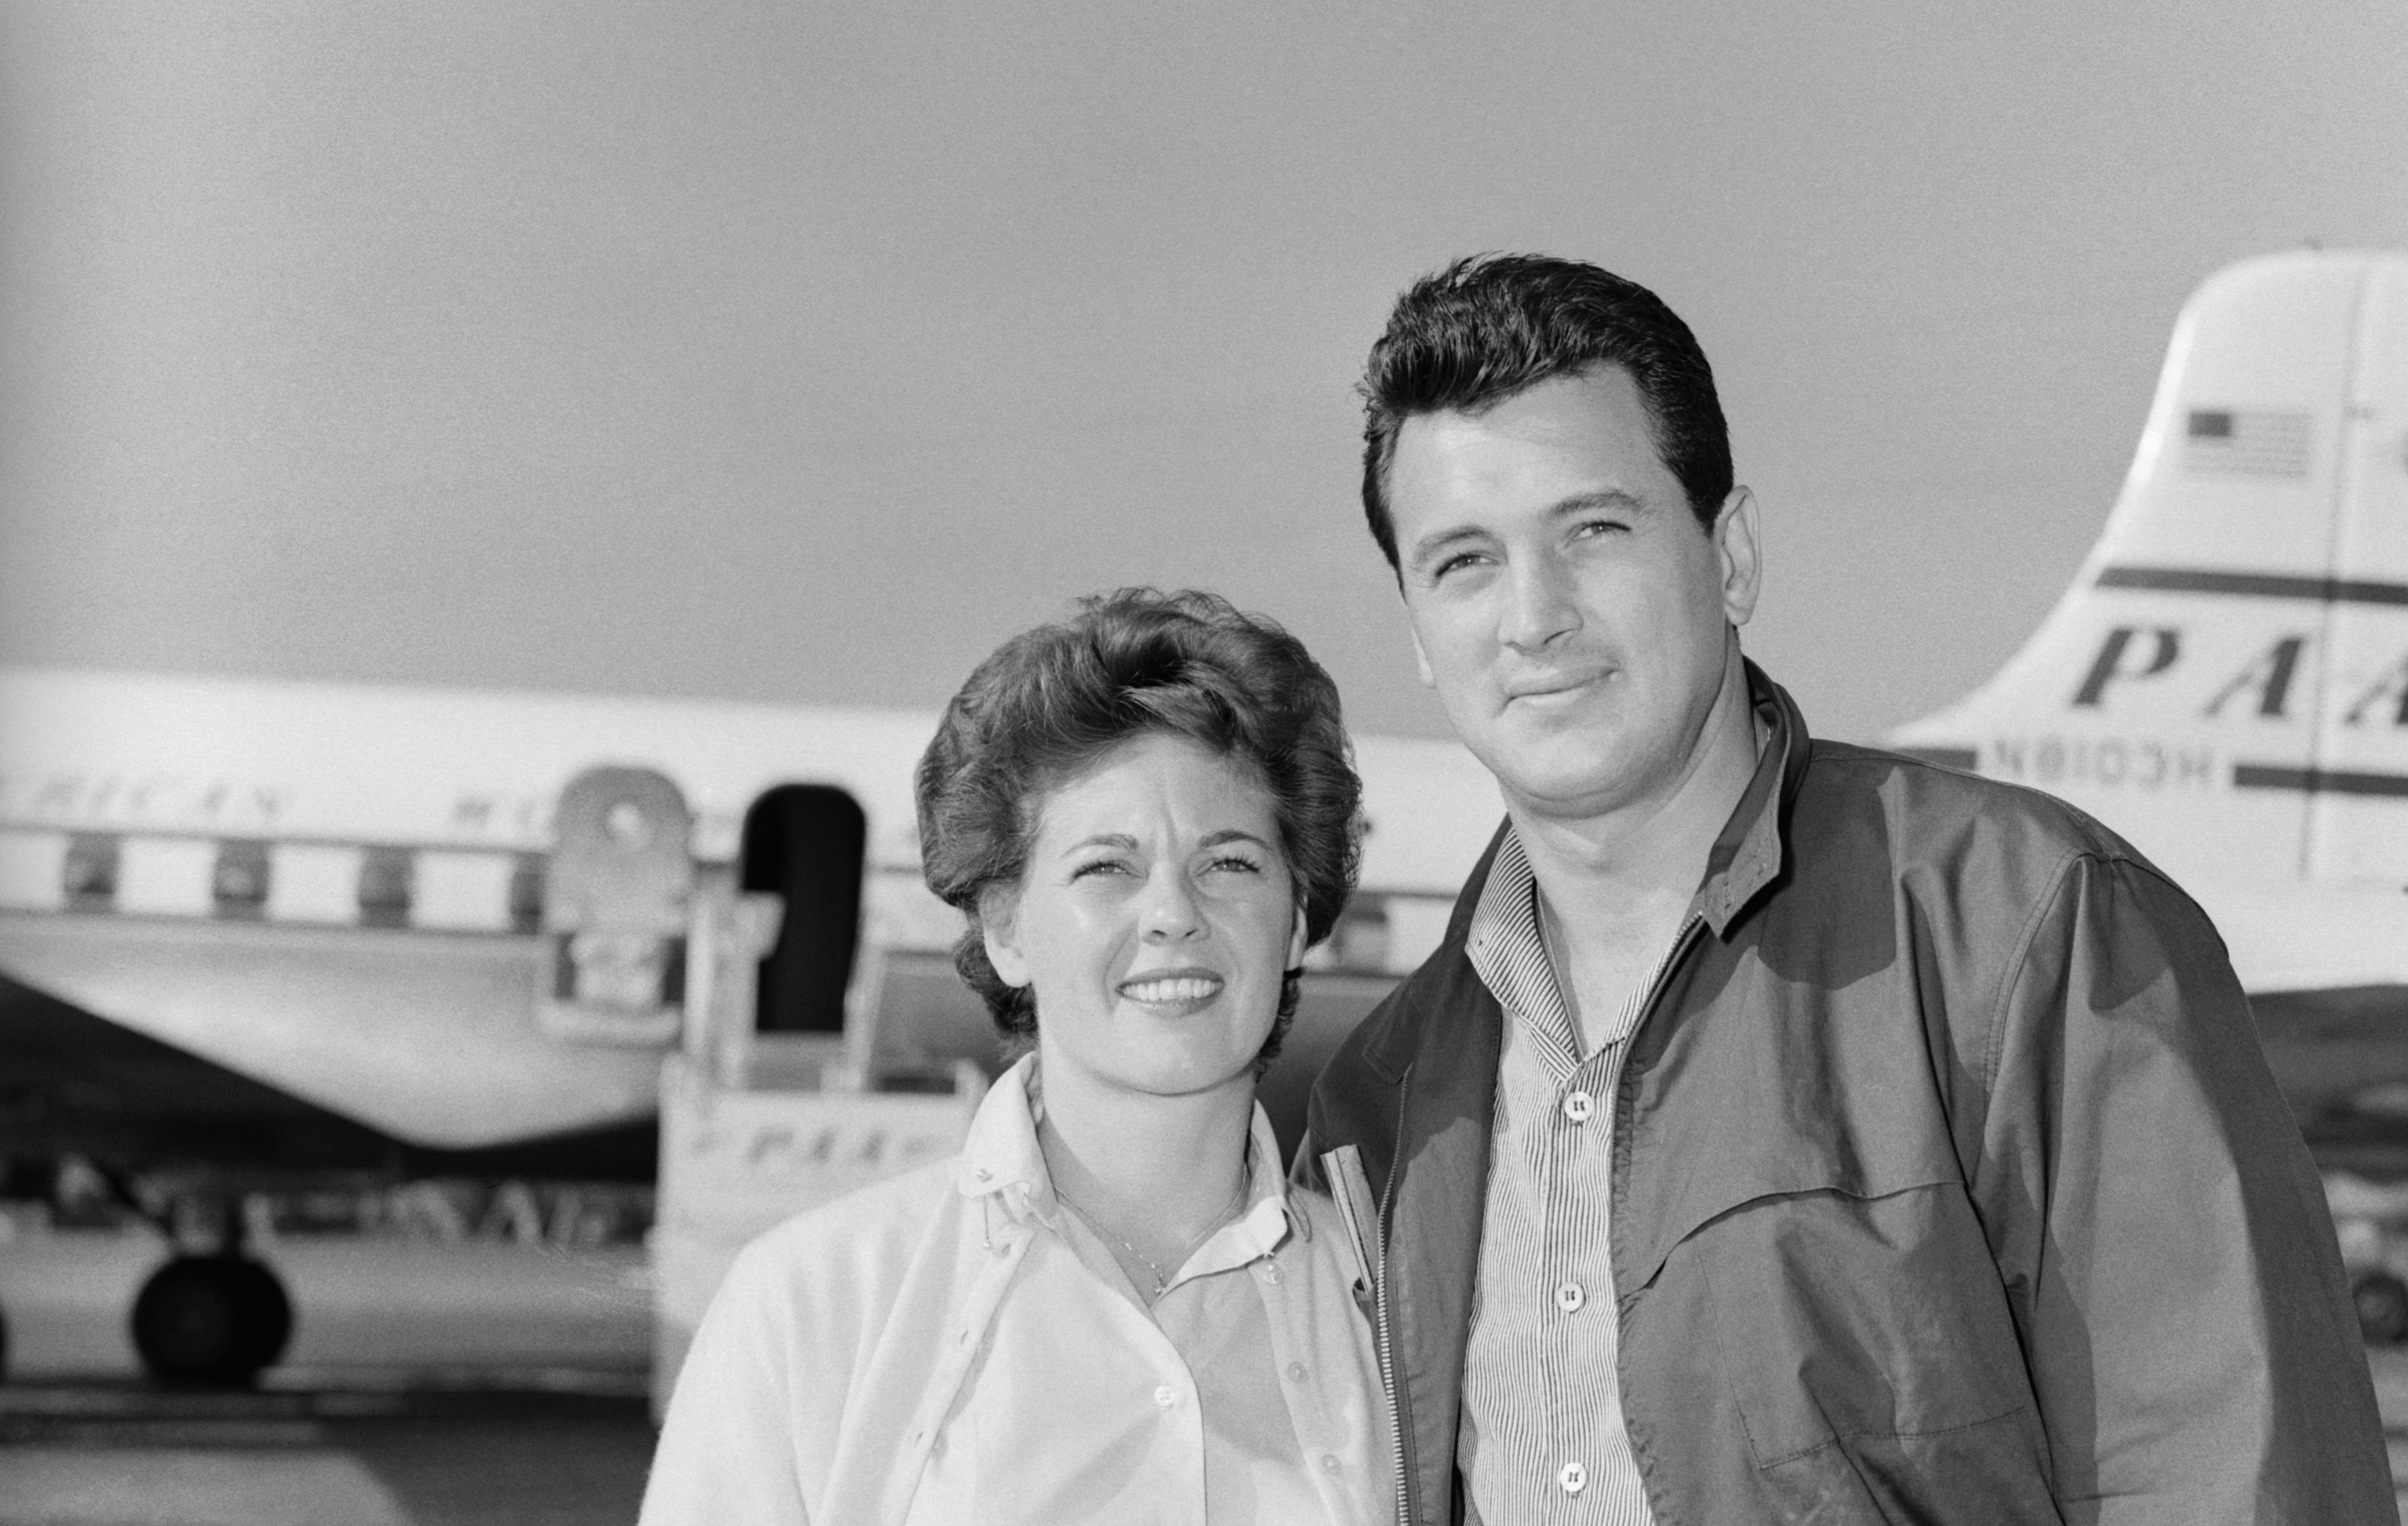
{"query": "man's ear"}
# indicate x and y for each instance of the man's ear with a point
(1736, 543)
(1000, 928)
(1421, 663)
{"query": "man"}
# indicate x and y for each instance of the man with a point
(1785, 1131)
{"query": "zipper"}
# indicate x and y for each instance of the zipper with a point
(1379, 1308)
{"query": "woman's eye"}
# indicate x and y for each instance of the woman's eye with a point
(1099, 866)
(1236, 861)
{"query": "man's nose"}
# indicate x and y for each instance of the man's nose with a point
(1538, 604)
(1170, 912)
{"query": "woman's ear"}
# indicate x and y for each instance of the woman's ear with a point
(998, 924)
(1296, 940)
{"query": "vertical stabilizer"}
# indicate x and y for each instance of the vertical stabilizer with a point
(2226, 683)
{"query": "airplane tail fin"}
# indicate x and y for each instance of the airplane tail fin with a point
(2226, 682)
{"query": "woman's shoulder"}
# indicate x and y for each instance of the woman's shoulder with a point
(860, 1239)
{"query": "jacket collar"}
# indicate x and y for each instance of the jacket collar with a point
(1748, 855)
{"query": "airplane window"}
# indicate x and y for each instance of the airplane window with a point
(89, 873)
(239, 883)
(384, 886)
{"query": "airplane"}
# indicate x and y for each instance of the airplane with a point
(257, 932)
(258, 935)
(2225, 684)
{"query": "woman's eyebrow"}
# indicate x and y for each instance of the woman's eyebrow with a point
(1101, 840)
(1232, 834)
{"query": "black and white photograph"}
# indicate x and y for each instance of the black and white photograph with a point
(1372, 766)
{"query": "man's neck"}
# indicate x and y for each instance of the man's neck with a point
(1614, 888)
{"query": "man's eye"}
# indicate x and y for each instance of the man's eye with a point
(1589, 529)
(1452, 564)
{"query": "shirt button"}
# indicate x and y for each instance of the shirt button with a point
(1580, 1107)
(1166, 1396)
(1271, 1272)
(1573, 1477)
(1569, 1297)
(1296, 1371)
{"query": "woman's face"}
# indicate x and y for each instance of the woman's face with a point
(1152, 920)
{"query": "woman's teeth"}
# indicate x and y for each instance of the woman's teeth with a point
(1187, 987)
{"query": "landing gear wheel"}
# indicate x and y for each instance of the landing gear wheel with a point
(2381, 1302)
(211, 1322)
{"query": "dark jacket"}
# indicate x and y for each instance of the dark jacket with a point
(1950, 1184)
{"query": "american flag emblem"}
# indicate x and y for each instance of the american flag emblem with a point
(2246, 442)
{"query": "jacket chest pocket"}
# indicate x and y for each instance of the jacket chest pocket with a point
(1841, 1319)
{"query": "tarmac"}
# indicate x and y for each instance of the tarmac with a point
(460, 1386)
(119, 1454)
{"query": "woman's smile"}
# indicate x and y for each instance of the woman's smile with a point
(1181, 991)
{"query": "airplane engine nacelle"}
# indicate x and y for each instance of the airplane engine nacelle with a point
(615, 909)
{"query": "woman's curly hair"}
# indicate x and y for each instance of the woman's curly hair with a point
(1051, 702)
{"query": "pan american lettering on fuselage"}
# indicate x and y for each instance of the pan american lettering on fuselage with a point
(2226, 682)
(264, 937)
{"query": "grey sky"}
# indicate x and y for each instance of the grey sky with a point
(803, 351)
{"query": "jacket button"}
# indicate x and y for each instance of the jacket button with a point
(1166, 1396)
(1296, 1371)
(1580, 1107)
(1573, 1477)
(1569, 1297)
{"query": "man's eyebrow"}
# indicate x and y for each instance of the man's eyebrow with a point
(1429, 546)
(1606, 498)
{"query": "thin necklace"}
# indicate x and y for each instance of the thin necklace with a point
(1162, 1282)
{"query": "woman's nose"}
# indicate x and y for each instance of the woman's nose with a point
(1170, 910)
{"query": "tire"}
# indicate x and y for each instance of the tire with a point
(2381, 1302)
(211, 1322)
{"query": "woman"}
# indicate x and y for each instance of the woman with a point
(1110, 1306)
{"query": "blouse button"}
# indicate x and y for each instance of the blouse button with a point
(1329, 1462)
(1573, 1477)
(1580, 1107)
(1569, 1296)
(1296, 1371)
(1166, 1396)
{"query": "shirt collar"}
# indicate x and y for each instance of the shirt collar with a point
(1509, 952)
(1000, 1160)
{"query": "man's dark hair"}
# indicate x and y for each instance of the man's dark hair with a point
(1051, 703)
(1491, 325)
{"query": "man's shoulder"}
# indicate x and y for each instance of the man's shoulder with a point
(1931, 813)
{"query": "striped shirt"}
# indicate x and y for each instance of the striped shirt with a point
(1542, 1438)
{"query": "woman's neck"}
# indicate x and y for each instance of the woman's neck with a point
(1155, 1172)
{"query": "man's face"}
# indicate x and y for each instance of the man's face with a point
(1565, 604)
